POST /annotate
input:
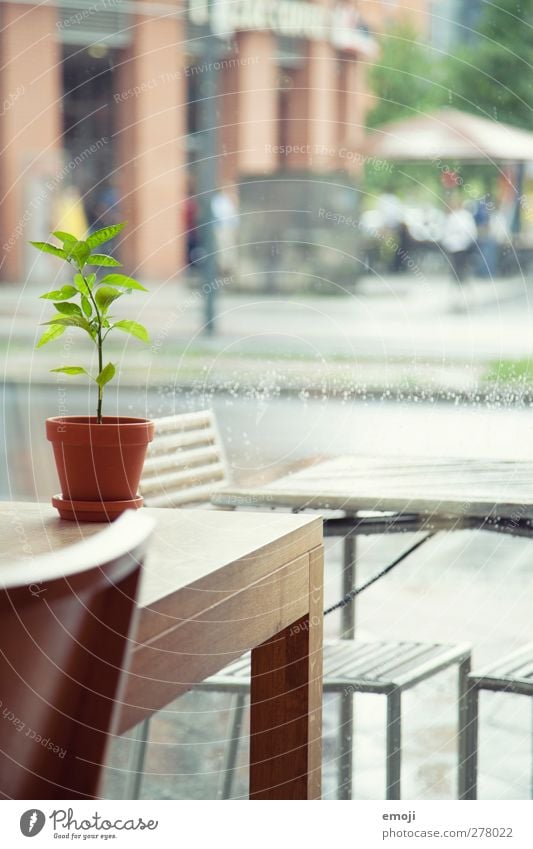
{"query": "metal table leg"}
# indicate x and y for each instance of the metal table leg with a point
(345, 762)
(464, 738)
(394, 744)
(349, 569)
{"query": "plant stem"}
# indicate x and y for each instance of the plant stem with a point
(100, 366)
(99, 345)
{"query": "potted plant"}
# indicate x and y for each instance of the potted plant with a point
(99, 458)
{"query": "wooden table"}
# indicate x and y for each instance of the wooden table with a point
(447, 488)
(216, 584)
(382, 495)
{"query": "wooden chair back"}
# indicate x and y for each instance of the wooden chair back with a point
(65, 621)
(185, 462)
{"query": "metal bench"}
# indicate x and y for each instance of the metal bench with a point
(185, 465)
(356, 667)
(511, 674)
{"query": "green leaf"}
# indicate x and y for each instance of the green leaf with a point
(71, 370)
(70, 321)
(86, 306)
(46, 248)
(107, 374)
(105, 234)
(105, 296)
(68, 309)
(134, 329)
(64, 237)
(50, 334)
(62, 294)
(123, 281)
(103, 259)
(80, 251)
(81, 285)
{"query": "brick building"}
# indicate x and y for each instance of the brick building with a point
(99, 91)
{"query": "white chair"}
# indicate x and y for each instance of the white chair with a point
(185, 462)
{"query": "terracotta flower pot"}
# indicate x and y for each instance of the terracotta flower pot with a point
(99, 465)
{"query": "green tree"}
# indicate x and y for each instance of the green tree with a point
(492, 76)
(406, 79)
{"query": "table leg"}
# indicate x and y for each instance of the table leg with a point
(345, 764)
(349, 569)
(286, 704)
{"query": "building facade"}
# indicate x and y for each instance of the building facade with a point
(110, 93)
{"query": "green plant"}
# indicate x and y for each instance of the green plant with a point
(96, 297)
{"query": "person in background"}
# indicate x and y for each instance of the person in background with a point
(458, 238)
(392, 212)
(191, 213)
(487, 260)
(104, 210)
(68, 212)
(226, 223)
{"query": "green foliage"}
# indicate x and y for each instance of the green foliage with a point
(96, 296)
(123, 281)
(49, 335)
(105, 296)
(103, 259)
(105, 235)
(406, 80)
(71, 370)
(491, 77)
(62, 294)
(488, 76)
(49, 249)
(107, 374)
(134, 329)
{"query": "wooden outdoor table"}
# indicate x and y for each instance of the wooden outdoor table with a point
(382, 495)
(436, 487)
(215, 585)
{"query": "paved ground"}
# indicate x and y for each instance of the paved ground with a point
(395, 335)
(397, 315)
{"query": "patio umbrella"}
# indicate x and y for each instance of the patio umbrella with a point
(450, 134)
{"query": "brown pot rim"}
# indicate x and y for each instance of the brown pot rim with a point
(113, 430)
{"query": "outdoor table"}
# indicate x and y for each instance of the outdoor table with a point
(383, 495)
(216, 584)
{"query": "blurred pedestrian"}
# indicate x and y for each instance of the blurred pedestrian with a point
(191, 215)
(458, 238)
(392, 212)
(68, 212)
(226, 223)
(487, 259)
(104, 211)
(104, 208)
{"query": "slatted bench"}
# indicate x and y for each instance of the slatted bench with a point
(511, 674)
(352, 667)
(185, 462)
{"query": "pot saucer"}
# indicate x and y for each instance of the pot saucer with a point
(94, 511)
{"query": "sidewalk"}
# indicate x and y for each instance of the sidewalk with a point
(394, 335)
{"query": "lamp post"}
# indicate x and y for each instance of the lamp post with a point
(207, 179)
